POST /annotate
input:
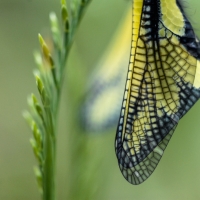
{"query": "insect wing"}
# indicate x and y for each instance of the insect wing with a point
(101, 106)
(162, 84)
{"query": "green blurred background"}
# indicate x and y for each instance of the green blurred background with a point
(176, 177)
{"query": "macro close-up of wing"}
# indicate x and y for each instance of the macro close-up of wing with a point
(162, 84)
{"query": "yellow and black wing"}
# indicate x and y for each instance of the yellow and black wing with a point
(163, 83)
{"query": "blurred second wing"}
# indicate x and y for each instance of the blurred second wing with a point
(101, 107)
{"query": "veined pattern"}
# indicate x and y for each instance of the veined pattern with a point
(162, 84)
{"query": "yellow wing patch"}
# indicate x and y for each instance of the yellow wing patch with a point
(172, 17)
(162, 85)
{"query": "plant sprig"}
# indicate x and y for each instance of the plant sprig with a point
(49, 76)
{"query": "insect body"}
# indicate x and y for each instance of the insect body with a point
(162, 84)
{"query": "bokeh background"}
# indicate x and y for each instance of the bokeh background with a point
(80, 155)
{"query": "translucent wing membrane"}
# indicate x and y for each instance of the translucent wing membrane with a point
(162, 84)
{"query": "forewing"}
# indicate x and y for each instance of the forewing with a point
(162, 85)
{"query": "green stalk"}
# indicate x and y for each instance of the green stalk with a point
(49, 170)
(49, 162)
(49, 80)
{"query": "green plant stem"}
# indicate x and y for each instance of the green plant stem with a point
(50, 158)
(49, 169)
(51, 117)
(67, 45)
(69, 39)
